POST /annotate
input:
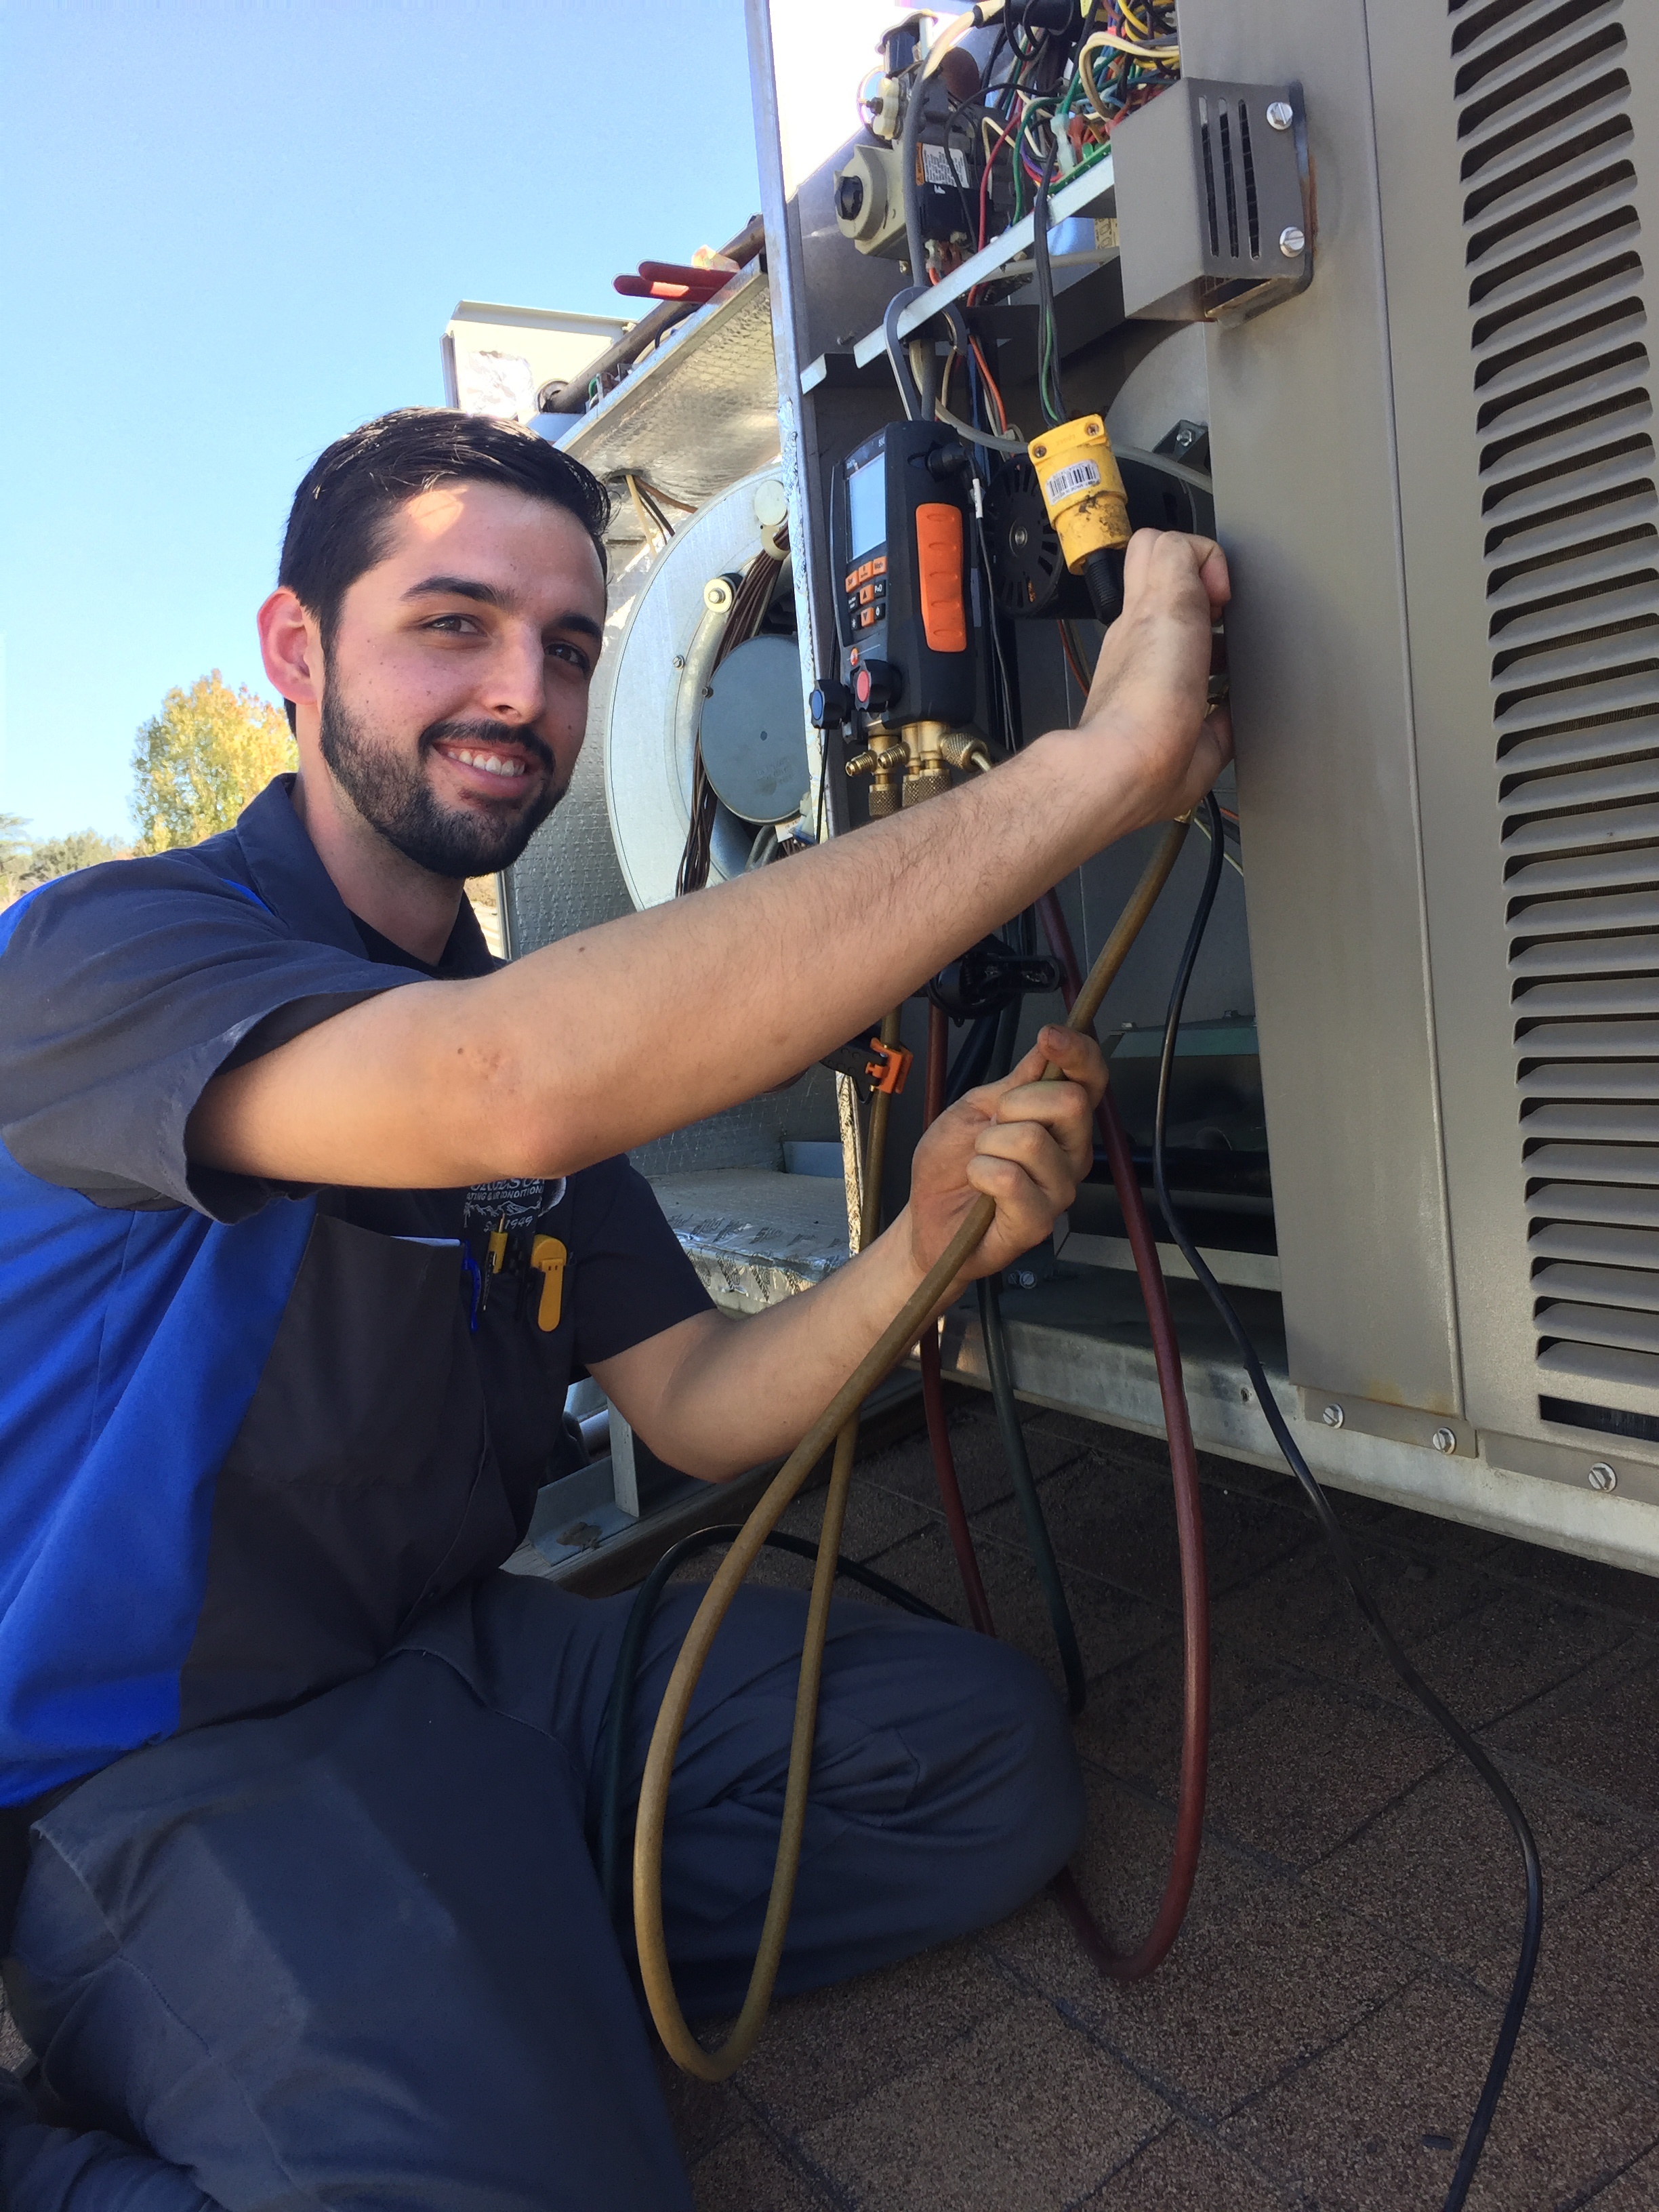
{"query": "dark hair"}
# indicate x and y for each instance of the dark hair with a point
(337, 526)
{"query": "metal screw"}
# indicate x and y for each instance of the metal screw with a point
(1602, 1477)
(1444, 1440)
(1332, 1417)
(1025, 1279)
(679, 661)
(1280, 114)
(1291, 240)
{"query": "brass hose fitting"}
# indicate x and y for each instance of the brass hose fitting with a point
(882, 764)
(928, 773)
(964, 751)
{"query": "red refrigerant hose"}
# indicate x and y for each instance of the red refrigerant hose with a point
(1189, 1529)
(932, 1388)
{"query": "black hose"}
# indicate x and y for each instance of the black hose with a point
(1336, 1537)
(619, 1705)
(973, 1060)
(1037, 1538)
(1010, 1427)
(898, 357)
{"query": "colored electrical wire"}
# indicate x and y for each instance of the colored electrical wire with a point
(1336, 1537)
(1073, 658)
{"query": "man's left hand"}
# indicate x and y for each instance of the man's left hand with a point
(1024, 1143)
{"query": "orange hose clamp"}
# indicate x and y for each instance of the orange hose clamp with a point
(888, 1067)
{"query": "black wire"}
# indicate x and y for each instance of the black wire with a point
(1335, 1537)
(619, 1705)
(1049, 394)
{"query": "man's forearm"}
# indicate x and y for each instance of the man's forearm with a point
(610, 1038)
(716, 1395)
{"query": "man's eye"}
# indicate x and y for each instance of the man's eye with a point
(573, 655)
(455, 625)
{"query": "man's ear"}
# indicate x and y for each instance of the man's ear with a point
(291, 649)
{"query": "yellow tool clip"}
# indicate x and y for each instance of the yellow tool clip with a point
(548, 1258)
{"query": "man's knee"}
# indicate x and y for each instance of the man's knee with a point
(1027, 1803)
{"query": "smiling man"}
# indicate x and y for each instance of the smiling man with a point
(309, 1213)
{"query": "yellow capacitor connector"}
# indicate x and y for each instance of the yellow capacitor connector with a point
(1082, 489)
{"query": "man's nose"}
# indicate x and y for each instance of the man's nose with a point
(513, 688)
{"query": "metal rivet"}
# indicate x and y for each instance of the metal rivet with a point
(1280, 114)
(1291, 240)
(1444, 1440)
(1602, 1477)
(1332, 1417)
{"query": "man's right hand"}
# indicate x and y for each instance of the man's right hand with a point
(1149, 699)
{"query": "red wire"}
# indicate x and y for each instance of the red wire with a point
(991, 386)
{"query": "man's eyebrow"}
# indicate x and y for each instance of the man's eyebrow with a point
(461, 588)
(491, 595)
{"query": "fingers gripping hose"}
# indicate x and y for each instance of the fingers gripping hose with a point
(836, 1420)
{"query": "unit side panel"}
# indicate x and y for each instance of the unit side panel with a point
(1302, 439)
(1519, 161)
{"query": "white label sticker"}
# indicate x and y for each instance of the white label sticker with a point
(940, 166)
(1080, 476)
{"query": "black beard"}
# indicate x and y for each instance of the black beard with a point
(393, 795)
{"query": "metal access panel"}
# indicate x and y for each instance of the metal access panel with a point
(1435, 471)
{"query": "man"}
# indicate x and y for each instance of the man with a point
(297, 1787)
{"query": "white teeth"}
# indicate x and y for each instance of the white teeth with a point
(492, 763)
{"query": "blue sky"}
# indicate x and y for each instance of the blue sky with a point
(234, 228)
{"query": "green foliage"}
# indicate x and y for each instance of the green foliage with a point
(197, 763)
(25, 862)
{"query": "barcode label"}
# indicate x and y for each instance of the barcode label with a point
(1080, 476)
(940, 166)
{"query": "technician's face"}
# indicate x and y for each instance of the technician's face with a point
(456, 695)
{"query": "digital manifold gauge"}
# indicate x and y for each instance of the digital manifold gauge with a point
(899, 542)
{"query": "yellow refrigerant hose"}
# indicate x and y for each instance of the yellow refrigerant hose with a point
(837, 1420)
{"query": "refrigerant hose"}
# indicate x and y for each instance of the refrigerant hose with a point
(1189, 1533)
(933, 1386)
(837, 1420)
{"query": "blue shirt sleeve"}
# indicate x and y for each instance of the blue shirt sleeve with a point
(633, 1278)
(126, 989)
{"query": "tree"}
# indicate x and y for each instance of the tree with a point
(197, 763)
(25, 863)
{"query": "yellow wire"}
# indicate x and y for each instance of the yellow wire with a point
(1129, 46)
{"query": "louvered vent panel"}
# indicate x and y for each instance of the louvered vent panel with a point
(1562, 391)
